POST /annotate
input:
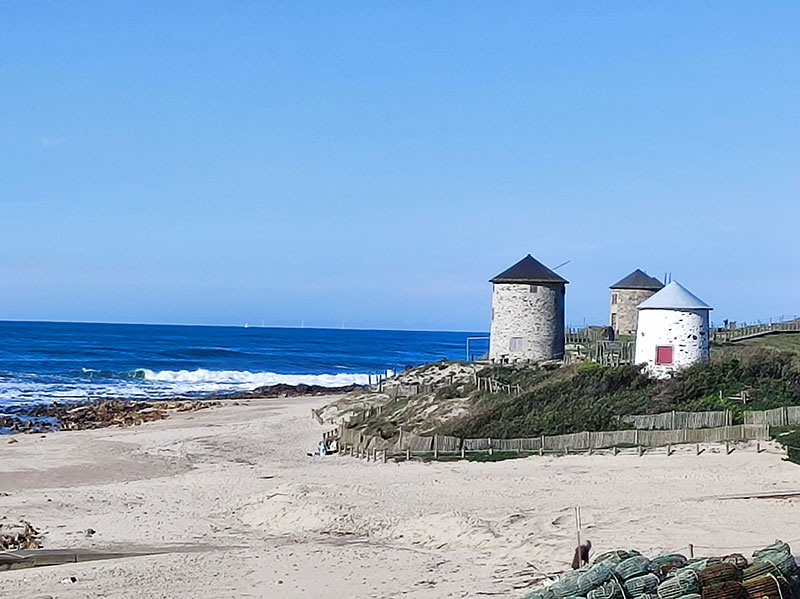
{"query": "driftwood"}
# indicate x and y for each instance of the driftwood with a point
(18, 535)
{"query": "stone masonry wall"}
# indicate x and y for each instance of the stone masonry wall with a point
(685, 330)
(533, 320)
(625, 308)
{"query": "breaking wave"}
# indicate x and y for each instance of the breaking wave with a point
(251, 380)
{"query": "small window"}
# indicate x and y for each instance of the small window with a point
(613, 298)
(515, 344)
(534, 289)
(492, 313)
(664, 354)
(614, 321)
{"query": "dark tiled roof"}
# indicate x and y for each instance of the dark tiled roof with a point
(638, 280)
(528, 270)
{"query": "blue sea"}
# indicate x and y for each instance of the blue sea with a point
(47, 361)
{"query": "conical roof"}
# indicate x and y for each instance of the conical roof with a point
(528, 270)
(638, 279)
(674, 297)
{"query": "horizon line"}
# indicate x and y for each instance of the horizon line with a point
(234, 326)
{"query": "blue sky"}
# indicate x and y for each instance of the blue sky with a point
(376, 163)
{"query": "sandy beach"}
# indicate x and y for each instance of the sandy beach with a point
(237, 509)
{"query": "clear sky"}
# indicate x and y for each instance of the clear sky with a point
(377, 162)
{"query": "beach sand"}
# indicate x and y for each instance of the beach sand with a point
(230, 492)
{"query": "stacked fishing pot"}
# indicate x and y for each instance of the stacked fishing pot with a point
(773, 574)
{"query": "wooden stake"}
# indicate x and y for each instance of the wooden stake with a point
(691, 550)
(641, 451)
(463, 451)
(408, 455)
(616, 451)
(697, 449)
(669, 449)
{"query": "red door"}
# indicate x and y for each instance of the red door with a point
(664, 354)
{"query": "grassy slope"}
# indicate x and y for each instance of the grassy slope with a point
(786, 342)
(590, 397)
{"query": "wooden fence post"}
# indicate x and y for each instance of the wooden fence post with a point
(463, 450)
(697, 449)
(669, 449)
(491, 449)
(408, 455)
(641, 451)
(691, 550)
(616, 450)
(435, 446)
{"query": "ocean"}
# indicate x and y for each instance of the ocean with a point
(49, 361)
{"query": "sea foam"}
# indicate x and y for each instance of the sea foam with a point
(252, 380)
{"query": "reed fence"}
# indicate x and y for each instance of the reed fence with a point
(676, 420)
(786, 416)
(358, 443)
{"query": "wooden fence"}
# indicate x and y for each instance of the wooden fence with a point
(410, 444)
(756, 330)
(786, 416)
(494, 386)
(675, 420)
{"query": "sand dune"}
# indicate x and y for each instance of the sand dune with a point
(247, 514)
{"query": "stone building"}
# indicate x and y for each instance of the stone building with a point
(527, 313)
(672, 331)
(625, 296)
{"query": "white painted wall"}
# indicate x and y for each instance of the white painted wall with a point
(685, 330)
(535, 321)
